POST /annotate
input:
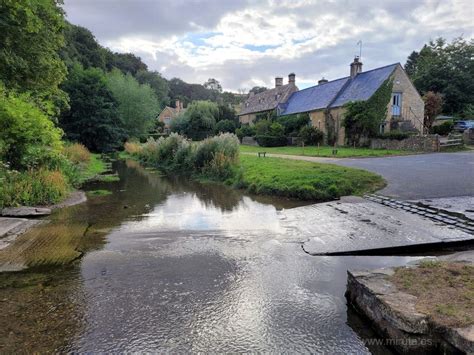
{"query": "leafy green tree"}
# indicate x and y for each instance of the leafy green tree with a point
(293, 123)
(198, 121)
(93, 118)
(31, 35)
(258, 89)
(311, 135)
(125, 62)
(446, 68)
(433, 106)
(81, 46)
(225, 126)
(262, 127)
(226, 112)
(157, 83)
(137, 104)
(25, 131)
(213, 85)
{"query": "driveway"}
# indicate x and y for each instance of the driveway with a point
(415, 176)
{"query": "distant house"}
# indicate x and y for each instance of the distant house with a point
(170, 113)
(324, 102)
(268, 101)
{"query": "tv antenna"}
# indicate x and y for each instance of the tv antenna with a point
(360, 49)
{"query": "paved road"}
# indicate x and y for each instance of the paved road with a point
(416, 176)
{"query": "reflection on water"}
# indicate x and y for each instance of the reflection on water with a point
(173, 265)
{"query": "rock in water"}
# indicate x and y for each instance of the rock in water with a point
(26, 212)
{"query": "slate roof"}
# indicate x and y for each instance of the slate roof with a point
(338, 92)
(314, 98)
(267, 100)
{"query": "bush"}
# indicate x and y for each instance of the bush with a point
(271, 141)
(225, 126)
(443, 129)
(397, 135)
(34, 187)
(245, 131)
(214, 157)
(311, 135)
(198, 121)
(262, 127)
(293, 123)
(132, 148)
(26, 132)
(77, 153)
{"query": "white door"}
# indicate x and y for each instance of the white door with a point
(396, 103)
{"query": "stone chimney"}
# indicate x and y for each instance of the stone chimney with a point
(356, 67)
(322, 81)
(278, 82)
(291, 78)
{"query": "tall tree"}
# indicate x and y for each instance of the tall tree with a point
(446, 68)
(125, 62)
(433, 106)
(30, 39)
(138, 106)
(157, 83)
(93, 118)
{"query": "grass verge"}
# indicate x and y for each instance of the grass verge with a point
(445, 290)
(325, 151)
(94, 167)
(303, 180)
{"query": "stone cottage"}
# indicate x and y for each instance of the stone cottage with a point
(324, 102)
(266, 102)
(170, 113)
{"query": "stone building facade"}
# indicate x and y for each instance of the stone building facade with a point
(169, 113)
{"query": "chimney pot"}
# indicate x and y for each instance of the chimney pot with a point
(291, 78)
(322, 81)
(356, 67)
(278, 82)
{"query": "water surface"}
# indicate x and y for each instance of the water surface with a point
(173, 265)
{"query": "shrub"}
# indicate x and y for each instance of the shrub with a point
(262, 127)
(271, 141)
(198, 121)
(225, 126)
(311, 135)
(443, 129)
(34, 187)
(397, 135)
(293, 123)
(77, 153)
(245, 131)
(132, 148)
(25, 131)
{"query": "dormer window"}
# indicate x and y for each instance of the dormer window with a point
(277, 97)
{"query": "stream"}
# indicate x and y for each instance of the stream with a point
(173, 265)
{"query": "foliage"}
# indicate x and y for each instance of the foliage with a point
(433, 106)
(363, 118)
(127, 63)
(271, 141)
(26, 133)
(157, 83)
(225, 126)
(198, 121)
(293, 123)
(213, 85)
(262, 127)
(93, 119)
(132, 148)
(77, 153)
(245, 131)
(311, 135)
(30, 37)
(397, 135)
(214, 158)
(468, 111)
(32, 187)
(446, 68)
(443, 129)
(304, 180)
(137, 104)
(226, 112)
(82, 47)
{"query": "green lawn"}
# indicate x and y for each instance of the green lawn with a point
(324, 151)
(304, 180)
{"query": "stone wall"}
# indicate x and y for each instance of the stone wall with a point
(468, 136)
(428, 143)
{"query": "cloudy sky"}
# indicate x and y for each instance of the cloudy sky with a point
(243, 43)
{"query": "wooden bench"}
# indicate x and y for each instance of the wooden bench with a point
(262, 153)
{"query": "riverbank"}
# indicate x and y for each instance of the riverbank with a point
(425, 307)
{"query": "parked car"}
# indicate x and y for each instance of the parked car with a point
(461, 126)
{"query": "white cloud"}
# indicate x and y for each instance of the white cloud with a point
(250, 43)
